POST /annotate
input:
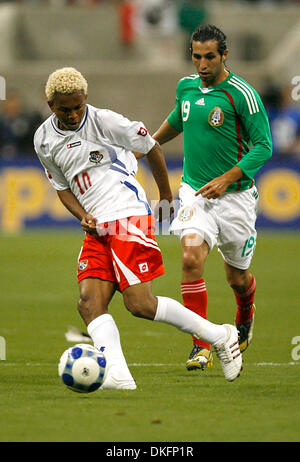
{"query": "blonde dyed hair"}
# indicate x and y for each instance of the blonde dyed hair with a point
(66, 81)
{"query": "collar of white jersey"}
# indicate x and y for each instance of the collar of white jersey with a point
(68, 132)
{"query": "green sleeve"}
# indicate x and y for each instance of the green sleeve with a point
(174, 118)
(257, 128)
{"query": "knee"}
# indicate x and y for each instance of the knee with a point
(238, 280)
(141, 307)
(88, 302)
(191, 260)
(84, 303)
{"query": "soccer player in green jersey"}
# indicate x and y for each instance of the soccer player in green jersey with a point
(227, 140)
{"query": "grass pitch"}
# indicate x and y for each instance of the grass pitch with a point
(38, 302)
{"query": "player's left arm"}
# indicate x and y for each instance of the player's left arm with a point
(256, 125)
(157, 164)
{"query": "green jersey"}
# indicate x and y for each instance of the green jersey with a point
(223, 126)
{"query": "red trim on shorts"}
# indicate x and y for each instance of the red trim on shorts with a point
(94, 274)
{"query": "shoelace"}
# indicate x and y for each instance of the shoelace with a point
(226, 354)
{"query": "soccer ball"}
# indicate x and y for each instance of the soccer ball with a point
(82, 368)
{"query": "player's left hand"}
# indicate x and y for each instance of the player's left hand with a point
(214, 188)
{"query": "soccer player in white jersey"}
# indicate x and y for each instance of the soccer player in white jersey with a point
(87, 156)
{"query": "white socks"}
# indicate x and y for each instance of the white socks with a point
(105, 335)
(172, 312)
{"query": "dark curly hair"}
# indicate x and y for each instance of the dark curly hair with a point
(209, 32)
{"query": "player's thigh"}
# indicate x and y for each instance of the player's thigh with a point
(237, 237)
(195, 216)
(140, 301)
(94, 260)
(97, 291)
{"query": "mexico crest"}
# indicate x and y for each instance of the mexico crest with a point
(185, 213)
(216, 117)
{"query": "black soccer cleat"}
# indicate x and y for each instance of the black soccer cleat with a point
(246, 332)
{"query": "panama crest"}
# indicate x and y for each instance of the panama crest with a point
(82, 265)
(96, 157)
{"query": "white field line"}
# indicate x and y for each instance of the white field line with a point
(263, 364)
(291, 363)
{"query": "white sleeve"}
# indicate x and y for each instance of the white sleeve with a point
(53, 172)
(123, 132)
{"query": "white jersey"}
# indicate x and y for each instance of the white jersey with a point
(96, 163)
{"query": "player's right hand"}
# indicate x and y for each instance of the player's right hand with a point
(88, 224)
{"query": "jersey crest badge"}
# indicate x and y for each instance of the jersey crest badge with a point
(216, 117)
(185, 213)
(96, 157)
(83, 264)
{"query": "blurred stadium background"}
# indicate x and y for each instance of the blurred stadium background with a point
(132, 53)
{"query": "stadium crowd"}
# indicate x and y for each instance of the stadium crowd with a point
(17, 127)
(284, 117)
(157, 2)
(17, 124)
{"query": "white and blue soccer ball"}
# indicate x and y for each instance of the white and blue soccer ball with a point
(82, 368)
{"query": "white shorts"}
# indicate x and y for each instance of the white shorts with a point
(228, 222)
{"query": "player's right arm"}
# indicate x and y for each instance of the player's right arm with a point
(172, 125)
(88, 222)
(60, 184)
(165, 133)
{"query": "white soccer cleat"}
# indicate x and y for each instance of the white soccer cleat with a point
(118, 379)
(229, 354)
(111, 383)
